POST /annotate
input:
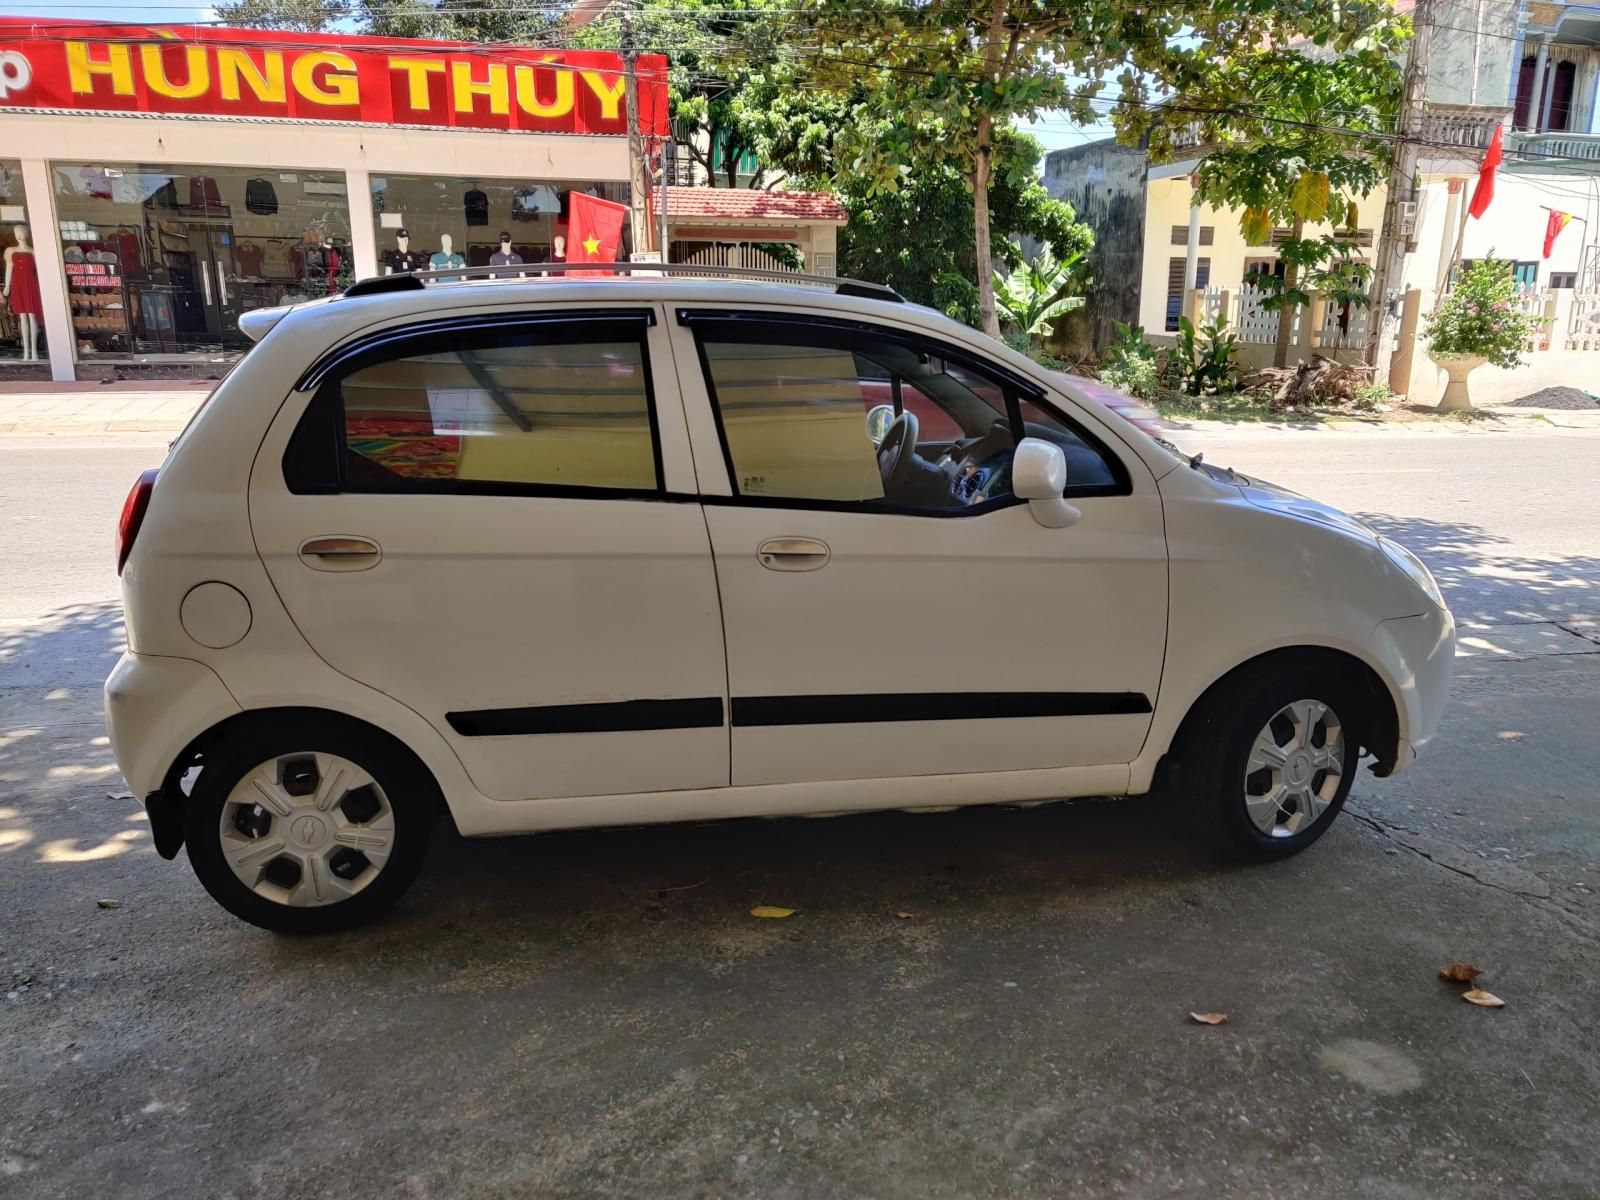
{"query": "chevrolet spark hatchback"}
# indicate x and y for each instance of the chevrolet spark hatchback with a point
(545, 554)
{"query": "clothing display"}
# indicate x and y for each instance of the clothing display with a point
(204, 193)
(502, 258)
(248, 255)
(25, 296)
(397, 260)
(276, 262)
(476, 206)
(440, 261)
(260, 197)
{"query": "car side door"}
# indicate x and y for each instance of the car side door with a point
(897, 618)
(490, 519)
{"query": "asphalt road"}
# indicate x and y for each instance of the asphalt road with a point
(596, 1014)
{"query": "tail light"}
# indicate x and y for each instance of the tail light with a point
(133, 509)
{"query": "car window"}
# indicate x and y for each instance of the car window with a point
(551, 404)
(790, 402)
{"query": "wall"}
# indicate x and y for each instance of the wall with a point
(1464, 68)
(1168, 205)
(1105, 183)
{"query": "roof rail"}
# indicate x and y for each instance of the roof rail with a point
(410, 281)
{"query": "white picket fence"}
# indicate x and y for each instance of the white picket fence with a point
(1583, 323)
(1252, 322)
(1345, 328)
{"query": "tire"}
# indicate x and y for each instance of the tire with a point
(323, 879)
(1232, 799)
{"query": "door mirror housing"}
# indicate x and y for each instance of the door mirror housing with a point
(1039, 476)
(879, 418)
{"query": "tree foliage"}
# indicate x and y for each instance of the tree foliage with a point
(1291, 138)
(445, 20)
(1038, 292)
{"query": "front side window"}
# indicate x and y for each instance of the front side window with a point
(555, 405)
(801, 414)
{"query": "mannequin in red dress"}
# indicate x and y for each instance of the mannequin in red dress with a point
(21, 290)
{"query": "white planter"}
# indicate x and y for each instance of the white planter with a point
(1458, 367)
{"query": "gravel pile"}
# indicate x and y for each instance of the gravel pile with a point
(1557, 397)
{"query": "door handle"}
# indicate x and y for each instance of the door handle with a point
(341, 553)
(205, 281)
(793, 554)
(222, 286)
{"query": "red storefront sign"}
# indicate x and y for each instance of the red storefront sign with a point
(196, 70)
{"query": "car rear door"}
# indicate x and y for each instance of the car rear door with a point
(491, 520)
(924, 625)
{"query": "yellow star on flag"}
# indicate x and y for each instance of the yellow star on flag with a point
(591, 245)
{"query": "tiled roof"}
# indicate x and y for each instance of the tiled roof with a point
(752, 204)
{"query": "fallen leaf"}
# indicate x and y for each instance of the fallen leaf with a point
(109, 903)
(1209, 1018)
(1483, 999)
(1460, 973)
(904, 916)
(771, 911)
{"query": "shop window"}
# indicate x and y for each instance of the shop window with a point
(160, 261)
(425, 222)
(21, 307)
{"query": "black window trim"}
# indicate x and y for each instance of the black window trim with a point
(327, 406)
(751, 324)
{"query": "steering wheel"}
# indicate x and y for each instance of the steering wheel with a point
(896, 453)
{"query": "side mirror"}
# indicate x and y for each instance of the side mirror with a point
(1039, 476)
(879, 419)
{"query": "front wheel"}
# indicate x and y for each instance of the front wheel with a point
(305, 826)
(1271, 759)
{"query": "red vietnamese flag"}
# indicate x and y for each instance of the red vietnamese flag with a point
(1552, 229)
(1484, 192)
(594, 230)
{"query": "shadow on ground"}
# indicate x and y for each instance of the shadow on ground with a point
(1486, 582)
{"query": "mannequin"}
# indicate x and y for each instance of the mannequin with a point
(445, 257)
(402, 257)
(331, 261)
(558, 248)
(505, 256)
(22, 291)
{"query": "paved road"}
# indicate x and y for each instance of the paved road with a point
(595, 1014)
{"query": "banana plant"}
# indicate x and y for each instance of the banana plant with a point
(1035, 295)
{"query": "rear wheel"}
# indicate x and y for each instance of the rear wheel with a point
(305, 825)
(1270, 759)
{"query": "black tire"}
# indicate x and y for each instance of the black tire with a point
(1218, 740)
(405, 783)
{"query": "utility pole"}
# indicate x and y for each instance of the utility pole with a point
(638, 169)
(1393, 239)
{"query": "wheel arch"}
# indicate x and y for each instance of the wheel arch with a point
(166, 806)
(1377, 725)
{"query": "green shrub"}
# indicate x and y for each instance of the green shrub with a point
(1204, 360)
(1371, 396)
(1479, 319)
(1133, 376)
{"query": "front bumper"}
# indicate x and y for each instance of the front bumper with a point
(1419, 655)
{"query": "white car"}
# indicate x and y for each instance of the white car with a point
(548, 553)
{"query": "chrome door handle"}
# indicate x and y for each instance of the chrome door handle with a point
(205, 281)
(341, 553)
(793, 554)
(222, 285)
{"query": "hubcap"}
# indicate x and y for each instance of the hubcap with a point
(307, 829)
(1294, 769)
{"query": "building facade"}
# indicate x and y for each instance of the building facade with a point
(157, 182)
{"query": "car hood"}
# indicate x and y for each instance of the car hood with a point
(1280, 499)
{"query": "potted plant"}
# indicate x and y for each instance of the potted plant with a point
(1478, 323)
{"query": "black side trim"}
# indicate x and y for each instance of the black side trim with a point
(932, 706)
(623, 716)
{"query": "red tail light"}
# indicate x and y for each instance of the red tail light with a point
(133, 515)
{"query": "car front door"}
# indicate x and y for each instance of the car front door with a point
(895, 613)
(478, 518)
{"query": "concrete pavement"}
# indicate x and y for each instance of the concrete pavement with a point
(596, 1014)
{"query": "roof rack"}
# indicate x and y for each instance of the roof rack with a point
(410, 281)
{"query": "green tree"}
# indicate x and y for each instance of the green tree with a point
(447, 20)
(1289, 139)
(1037, 293)
(947, 74)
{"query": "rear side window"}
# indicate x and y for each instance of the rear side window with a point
(544, 406)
